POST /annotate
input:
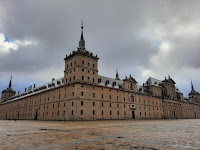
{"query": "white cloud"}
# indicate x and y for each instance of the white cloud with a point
(6, 47)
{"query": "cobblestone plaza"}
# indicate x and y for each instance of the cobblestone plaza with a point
(111, 134)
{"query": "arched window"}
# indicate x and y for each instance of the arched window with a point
(132, 98)
(131, 86)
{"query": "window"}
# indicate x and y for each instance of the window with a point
(93, 72)
(93, 94)
(117, 98)
(70, 79)
(124, 106)
(58, 104)
(65, 95)
(74, 62)
(93, 112)
(99, 80)
(72, 103)
(64, 104)
(72, 112)
(131, 86)
(125, 113)
(93, 79)
(71, 64)
(124, 98)
(110, 112)
(88, 71)
(102, 104)
(81, 93)
(117, 105)
(81, 112)
(117, 112)
(82, 85)
(74, 77)
(102, 112)
(93, 65)
(58, 113)
(93, 103)
(102, 96)
(66, 80)
(88, 64)
(72, 93)
(88, 78)
(82, 77)
(132, 98)
(67, 65)
(110, 105)
(82, 70)
(83, 62)
(59, 97)
(63, 112)
(81, 103)
(110, 96)
(53, 105)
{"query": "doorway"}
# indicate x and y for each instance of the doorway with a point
(36, 114)
(174, 114)
(133, 114)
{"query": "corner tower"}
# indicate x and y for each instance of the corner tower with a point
(7, 93)
(81, 65)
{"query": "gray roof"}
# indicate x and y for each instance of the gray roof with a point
(156, 82)
(31, 91)
(109, 82)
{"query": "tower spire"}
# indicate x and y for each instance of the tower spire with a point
(10, 84)
(117, 75)
(192, 87)
(82, 41)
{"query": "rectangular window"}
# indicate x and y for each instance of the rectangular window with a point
(74, 77)
(102, 112)
(88, 64)
(93, 79)
(93, 103)
(64, 104)
(81, 112)
(93, 112)
(81, 103)
(117, 105)
(110, 112)
(93, 94)
(83, 62)
(72, 112)
(63, 112)
(82, 77)
(110, 96)
(110, 105)
(102, 104)
(82, 70)
(58, 113)
(93, 65)
(102, 96)
(81, 93)
(117, 112)
(72, 93)
(72, 103)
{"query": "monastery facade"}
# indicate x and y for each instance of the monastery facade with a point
(83, 94)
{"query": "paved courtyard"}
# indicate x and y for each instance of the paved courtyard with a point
(117, 134)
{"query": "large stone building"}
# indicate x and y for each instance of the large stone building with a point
(83, 94)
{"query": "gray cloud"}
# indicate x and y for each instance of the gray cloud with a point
(127, 35)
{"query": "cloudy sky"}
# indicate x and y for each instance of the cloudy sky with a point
(144, 38)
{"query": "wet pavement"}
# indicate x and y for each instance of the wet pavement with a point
(102, 135)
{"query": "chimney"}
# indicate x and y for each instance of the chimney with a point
(34, 86)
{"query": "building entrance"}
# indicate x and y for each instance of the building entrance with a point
(133, 114)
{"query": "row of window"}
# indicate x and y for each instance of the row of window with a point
(74, 78)
(82, 71)
(83, 63)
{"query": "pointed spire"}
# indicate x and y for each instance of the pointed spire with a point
(192, 87)
(117, 75)
(10, 84)
(82, 41)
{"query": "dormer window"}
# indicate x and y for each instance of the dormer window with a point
(99, 80)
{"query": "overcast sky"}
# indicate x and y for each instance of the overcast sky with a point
(153, 38)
